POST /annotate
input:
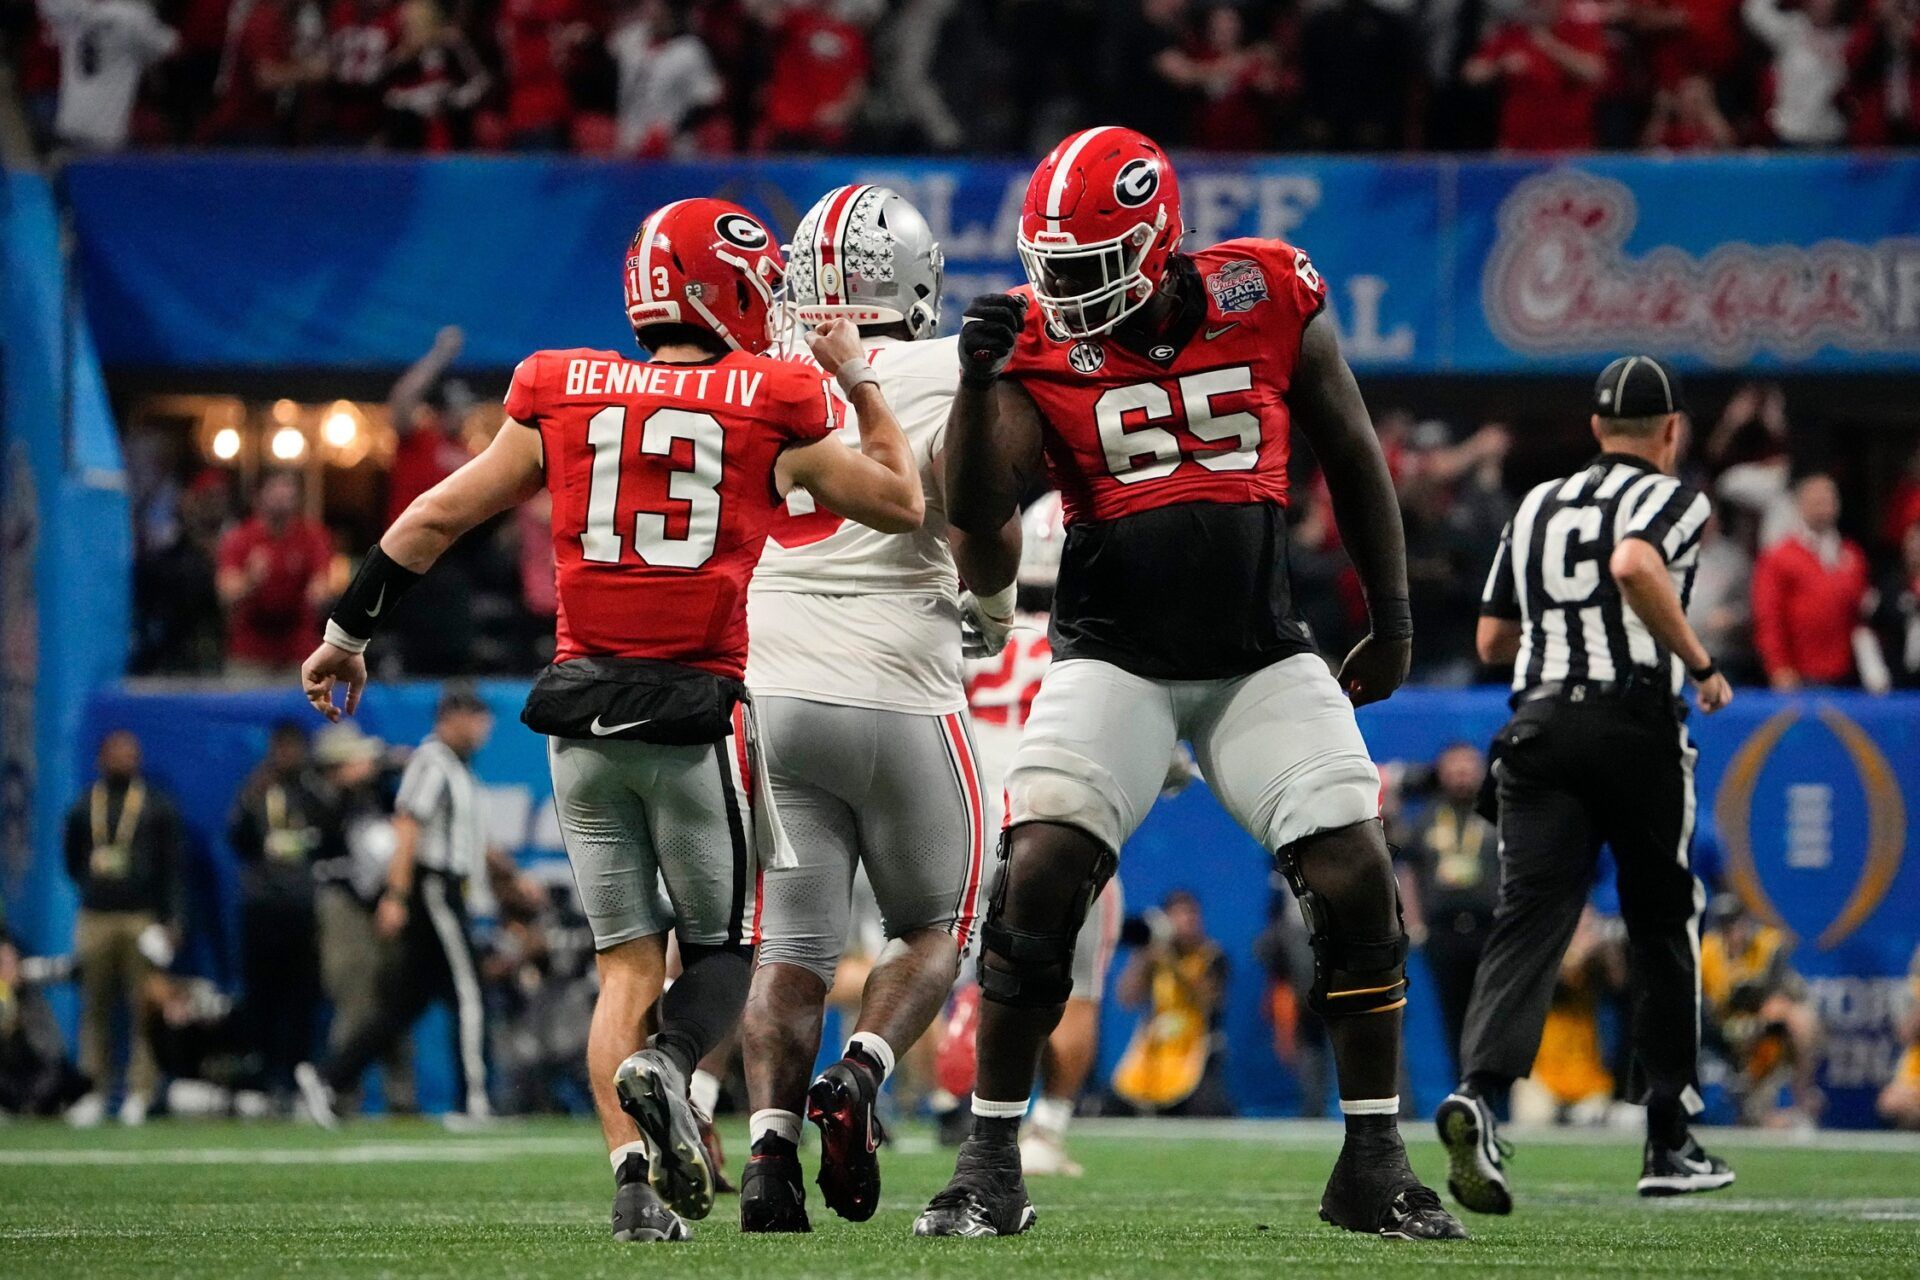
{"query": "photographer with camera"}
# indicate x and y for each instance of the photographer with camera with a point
(1173, 1064)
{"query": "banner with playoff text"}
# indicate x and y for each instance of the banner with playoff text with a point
(1806, 806)
(1772, 262)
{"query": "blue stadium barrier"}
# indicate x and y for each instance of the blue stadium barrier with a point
(1804, 805)
(65, 556)
(1435, 265)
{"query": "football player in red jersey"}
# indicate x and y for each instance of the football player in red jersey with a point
(664, 477)
(1158, 390)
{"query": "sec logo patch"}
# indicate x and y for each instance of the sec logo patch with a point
(1086, 357)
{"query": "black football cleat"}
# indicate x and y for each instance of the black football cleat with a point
(1374, 1191)
(987, 1196)
(840, 1104)
(1682, 1170)
(772, 1199)
(653, 1092)
(1476, 1157)
(640, 1216)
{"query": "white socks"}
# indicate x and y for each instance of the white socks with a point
(781, 1124)
(1370, 1106)
(875, 1048)
(1050, 1116)
(620, 1153)
(999, 1110)
(703, 1090)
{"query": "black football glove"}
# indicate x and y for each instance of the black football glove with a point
(992, 326)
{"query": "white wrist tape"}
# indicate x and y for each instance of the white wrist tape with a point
(1000, 604)
(855, 373)
(339, 639)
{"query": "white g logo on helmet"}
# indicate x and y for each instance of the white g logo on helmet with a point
(738, 229)
(1136, 182)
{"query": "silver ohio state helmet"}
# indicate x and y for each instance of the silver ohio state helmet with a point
(864, 253)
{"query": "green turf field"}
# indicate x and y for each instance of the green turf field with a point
(409, 1199)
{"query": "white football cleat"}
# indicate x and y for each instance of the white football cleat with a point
(1042, 1155)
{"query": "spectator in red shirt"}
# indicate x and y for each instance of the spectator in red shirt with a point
(273, 579)
(820, 63)
(537, 42)
(262, 68)
(1549, 67)
(1241, 83)
(1809, 593)
(430, 447)
(361, 36)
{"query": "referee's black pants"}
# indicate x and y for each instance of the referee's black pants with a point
(435, 963)
(1573, 775)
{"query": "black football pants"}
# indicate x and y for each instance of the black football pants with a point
(1574, 775)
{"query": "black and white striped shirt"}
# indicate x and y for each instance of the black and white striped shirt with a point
(1551, 573)
(439, 792)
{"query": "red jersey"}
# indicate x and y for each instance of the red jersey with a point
(1128, 431)
(1172, 469)
(662, 484)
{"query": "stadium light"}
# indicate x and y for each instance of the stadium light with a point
(288, 444)
(341, 425)
(226, 444)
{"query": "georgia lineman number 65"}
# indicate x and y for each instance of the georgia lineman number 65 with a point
(697, 486)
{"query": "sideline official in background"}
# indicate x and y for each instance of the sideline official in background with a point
(1587, 598)
(439, 841)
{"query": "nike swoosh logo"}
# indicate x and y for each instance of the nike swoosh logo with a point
(1214, 333)
(603, 730)
(1695, 1166)
(379, 603)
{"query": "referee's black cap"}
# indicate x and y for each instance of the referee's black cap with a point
(1637, 387)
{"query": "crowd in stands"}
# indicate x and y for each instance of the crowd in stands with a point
(652, 78)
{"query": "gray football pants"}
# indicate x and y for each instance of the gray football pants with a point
(895, 791)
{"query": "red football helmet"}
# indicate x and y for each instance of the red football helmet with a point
(1100, 221)
(707, 263)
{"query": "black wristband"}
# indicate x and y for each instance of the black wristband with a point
(1390, 618)
(369, 598)
(1700, 675)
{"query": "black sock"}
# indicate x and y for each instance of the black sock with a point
(704, 1003)
(682, 1049)
(997, 1129)
(632, 1169)
(1372, 1126)
(1666, 1123)
(1494, 1090)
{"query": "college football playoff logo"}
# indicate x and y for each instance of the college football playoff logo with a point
(739, 229)
(1138, 179)
(1087, 357)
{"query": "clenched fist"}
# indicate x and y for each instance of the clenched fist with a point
(992, 326)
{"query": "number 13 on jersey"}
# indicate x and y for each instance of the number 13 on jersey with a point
(697, 486)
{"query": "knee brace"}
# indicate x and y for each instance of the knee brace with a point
(1033, 969)
(1351, 975)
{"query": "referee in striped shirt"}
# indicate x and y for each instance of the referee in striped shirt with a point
(440, 840)
(1587, 598)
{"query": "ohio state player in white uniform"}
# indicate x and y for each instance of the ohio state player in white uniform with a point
(855, 672)
(1000, 692)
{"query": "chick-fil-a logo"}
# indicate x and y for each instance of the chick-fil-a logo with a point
(1560, 279)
